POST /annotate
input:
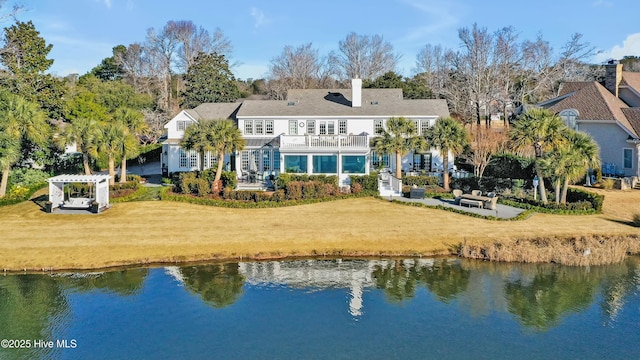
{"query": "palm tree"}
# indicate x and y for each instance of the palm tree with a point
(541, 130)
(9, 155)
(226, 139)
(20, 121)
(135, 126)
(108, 141)
(449, 136)
(584, 153)
(400, 138)
(197, 137)
(80, 131)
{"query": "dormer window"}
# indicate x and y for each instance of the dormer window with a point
(569, 117)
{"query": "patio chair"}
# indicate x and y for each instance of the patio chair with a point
(457, 195)
(491, 204)
(491, 194)
(476, 192)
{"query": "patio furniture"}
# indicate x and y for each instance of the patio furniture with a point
(470, 202)
(457, 195)
(491, 204)
(475, 200)
(476, 192)
(416, 193)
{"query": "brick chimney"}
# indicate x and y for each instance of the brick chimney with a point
(356, 92)
(613, 76)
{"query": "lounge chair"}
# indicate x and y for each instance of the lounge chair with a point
(457, 195)
(476, 192)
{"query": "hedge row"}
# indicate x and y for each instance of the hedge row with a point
(277, 200)
(579, 202)
(283, 179)
(364, 182)
(421, 180)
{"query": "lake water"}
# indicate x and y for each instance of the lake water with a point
(326, 309)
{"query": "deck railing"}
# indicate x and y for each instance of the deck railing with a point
(324, 141)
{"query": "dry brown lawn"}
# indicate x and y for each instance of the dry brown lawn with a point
(165, 232)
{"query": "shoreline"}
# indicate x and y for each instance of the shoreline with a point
(149, 233)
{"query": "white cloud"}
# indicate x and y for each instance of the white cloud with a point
(630, 46)
(259, 17)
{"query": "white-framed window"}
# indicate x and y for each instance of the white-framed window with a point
(293, 127)
(182, 124)
(209, 159)
(342, 127)
(627, 158)
(379, 160)
(188, 159)
(331, 127)
(183, 159)
(244, 158)
(377, 126)
(193, 159)
(424, 126)
(311, 127)
(268, 127)
(327, 128)
(266, 160)
(258, 127)
(248, 127)
(569, 117)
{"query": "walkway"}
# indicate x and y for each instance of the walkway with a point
(502, 211)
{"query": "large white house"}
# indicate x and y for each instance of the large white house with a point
(313, 131)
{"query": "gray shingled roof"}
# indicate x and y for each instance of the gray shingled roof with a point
(594, 102)
(214, 111)
(337, 102)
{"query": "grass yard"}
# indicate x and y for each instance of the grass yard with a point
(157, 231)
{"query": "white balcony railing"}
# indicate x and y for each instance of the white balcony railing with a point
(324, 141)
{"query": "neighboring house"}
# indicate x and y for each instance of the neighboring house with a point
(609, 113)
(314, 131)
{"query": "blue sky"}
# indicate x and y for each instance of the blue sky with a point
(83, 32)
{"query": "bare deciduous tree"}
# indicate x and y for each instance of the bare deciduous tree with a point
(155, 120)
(431, 66)
(298, 68)
(365, 57)
(485, 143)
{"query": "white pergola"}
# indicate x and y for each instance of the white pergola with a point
(100, 194)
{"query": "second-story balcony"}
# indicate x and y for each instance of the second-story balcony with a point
(324, 141)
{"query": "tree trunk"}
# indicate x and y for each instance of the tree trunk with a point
(541, 189)
(398, 165)
(445, 169)
(123, 169)
(5, 181)
(218, 172)
(478, 118)
(112, 170)
(557, 191)
(202, 160)
(565, 189)
(85, 163)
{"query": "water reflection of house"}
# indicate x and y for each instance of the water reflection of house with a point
(355, 275)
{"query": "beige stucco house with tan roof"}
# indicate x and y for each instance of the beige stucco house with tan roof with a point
(313, 131)
(610, 113)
